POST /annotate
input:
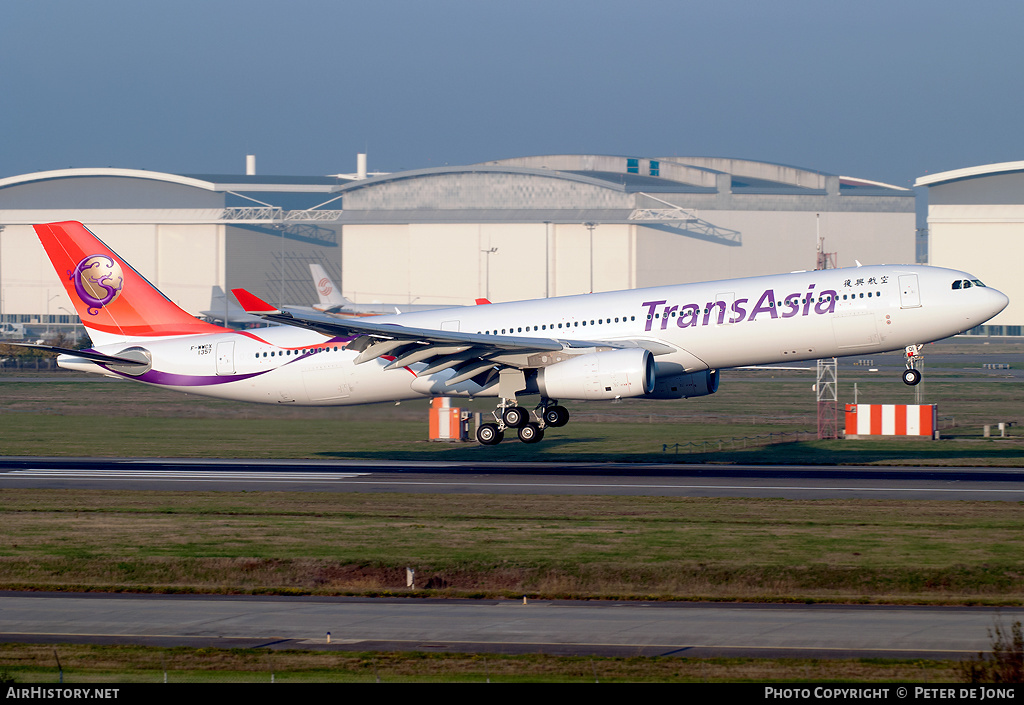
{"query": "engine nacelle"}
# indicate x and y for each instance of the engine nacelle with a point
(674, 382)
(603, 375)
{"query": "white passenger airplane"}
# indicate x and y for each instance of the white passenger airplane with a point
(666, 342)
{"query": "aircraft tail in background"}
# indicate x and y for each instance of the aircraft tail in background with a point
(227, 311)
(331, 300)
(326, 288)
(115, 302)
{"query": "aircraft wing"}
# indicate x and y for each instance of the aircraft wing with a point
(472, 353)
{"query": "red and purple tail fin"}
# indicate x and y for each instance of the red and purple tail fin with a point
(114, 301)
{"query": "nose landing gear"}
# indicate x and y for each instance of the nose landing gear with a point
(912, 375)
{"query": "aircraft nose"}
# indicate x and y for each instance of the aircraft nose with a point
(994, 302)
(987, 303)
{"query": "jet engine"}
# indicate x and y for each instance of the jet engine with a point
(602, 375)
(674, 382)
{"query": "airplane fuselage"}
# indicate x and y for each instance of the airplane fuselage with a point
(709, 325)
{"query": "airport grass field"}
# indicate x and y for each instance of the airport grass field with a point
(593, 547)
(596, 547)
(63, 414)
(35, 663)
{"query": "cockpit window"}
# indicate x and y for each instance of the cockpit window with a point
(967, 283)
(956, 284)
(977, 283)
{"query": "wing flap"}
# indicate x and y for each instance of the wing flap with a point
(468, 371)
(425, 352)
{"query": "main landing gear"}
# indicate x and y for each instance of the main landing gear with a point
(912, 375)
(509, 415)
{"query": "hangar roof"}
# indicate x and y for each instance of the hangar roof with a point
(536, 183)
(139, 188)
(126, 173)
(637, 182)
(969, 173)
(209, 182)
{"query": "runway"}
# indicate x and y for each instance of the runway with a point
(502, 626)
(677, 480)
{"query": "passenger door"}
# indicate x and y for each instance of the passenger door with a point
(910, 294)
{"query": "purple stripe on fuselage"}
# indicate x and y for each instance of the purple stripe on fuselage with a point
(170, 379)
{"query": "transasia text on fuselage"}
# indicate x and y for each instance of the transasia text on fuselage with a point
(715, 312)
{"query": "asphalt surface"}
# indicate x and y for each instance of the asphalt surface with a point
(502, 626)
(792, 482)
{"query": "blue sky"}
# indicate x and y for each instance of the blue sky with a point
(879, 90)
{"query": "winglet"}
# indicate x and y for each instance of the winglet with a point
(481, 302)
(252, 303)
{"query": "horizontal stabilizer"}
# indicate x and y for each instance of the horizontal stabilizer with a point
(84, 354)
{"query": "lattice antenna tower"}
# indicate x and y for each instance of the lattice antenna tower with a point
(826, 386)
(826, 260)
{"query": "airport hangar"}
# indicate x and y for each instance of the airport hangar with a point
(975, 221)
(511, 229)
